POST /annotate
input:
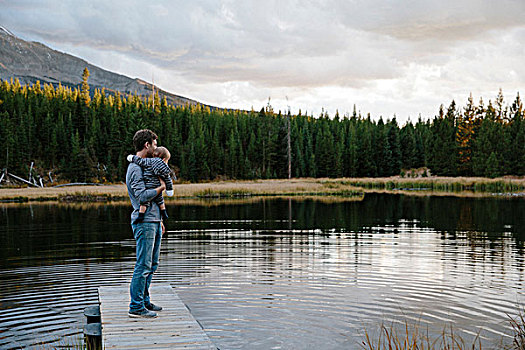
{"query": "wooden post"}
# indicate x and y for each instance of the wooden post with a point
(93, 336)
(92, 314)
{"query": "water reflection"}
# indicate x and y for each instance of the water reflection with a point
(275, 273)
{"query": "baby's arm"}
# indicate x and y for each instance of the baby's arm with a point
(141, 161)
(161, 169)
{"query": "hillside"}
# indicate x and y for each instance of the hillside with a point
(32, 61)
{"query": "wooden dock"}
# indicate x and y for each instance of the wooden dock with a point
(174, 328)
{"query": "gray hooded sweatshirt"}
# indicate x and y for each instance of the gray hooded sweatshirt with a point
(138, 194)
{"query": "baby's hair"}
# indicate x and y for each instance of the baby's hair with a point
(161, 152)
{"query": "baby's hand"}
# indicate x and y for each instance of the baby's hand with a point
(130, 158)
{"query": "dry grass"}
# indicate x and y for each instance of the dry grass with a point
(221, 189)
(295, 187)
(53, 193)
(451, 184)
(343, 187)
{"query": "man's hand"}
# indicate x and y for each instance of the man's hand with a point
(162, 186)
(163, 227)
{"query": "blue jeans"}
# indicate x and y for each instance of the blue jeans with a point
(147, 236)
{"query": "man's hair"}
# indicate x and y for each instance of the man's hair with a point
(141, 137)
(161, 152)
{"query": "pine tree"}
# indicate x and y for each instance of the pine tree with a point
(514, 141)
(492, 166)
(408, 146)
(351, 152)
(465, 131)
(443, 153)
(394, 163)
(324, 150)
(366, 164)
(311, 169)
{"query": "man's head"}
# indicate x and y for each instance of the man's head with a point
(163, 153)
(145, 141)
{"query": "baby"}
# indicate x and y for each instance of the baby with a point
(153, 168)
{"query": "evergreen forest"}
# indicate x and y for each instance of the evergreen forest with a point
(82, 135)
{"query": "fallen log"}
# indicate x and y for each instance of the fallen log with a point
(23, 180)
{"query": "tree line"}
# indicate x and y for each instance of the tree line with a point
(85, 136)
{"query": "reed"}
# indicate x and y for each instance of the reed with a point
(410, 337)
(67, 342)
(518, 326)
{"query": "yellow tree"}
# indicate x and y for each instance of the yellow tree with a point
(84, 95)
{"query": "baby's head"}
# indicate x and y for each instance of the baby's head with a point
(163, 153)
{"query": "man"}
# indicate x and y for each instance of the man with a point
(148, 233)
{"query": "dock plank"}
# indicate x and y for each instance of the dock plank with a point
(174, 328)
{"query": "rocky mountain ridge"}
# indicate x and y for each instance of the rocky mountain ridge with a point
(32, 61)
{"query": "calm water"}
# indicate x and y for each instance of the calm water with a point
(266, 274)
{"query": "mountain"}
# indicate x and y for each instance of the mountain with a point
(32, 61)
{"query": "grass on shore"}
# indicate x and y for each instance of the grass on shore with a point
(324, 187)
(221, 189)
(449, 184)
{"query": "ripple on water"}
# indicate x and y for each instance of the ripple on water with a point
(262, 283)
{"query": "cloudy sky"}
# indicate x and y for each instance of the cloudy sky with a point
(387, 57)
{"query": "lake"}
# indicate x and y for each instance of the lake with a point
(275, 273)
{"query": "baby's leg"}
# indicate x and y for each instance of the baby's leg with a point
(142, 210)
(162, 207)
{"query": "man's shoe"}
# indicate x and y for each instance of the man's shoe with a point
(153, 307)
(142, 314)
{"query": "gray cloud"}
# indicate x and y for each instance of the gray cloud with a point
(371, 50)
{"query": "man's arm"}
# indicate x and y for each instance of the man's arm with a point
(139, 188)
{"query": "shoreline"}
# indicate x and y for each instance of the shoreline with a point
(209, 190)
(300, 187)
